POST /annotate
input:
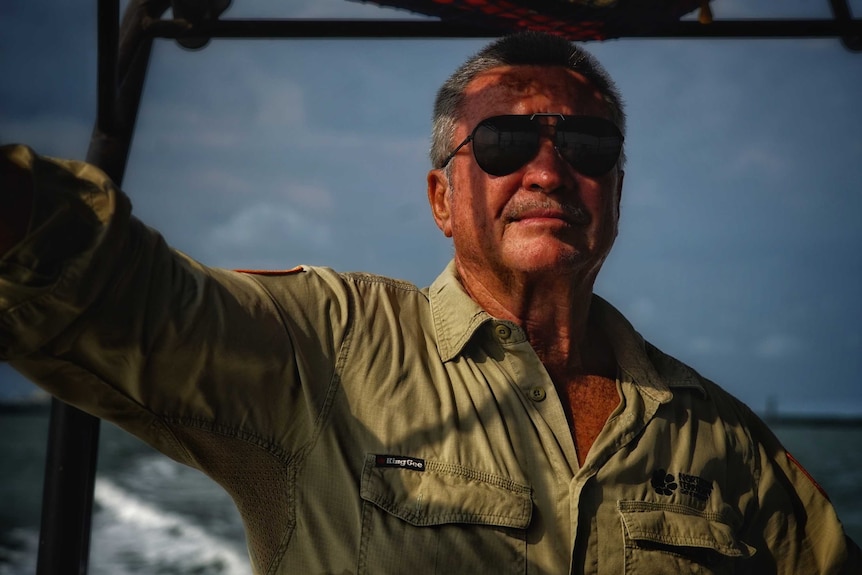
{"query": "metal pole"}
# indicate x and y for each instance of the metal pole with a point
(73, 442)
(841, 26)
(67, 497)
(841, 11)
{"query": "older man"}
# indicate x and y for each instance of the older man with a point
(502, 420)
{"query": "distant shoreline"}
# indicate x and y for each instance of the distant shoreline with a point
(813, 420)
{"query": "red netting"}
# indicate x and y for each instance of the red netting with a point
(574, 19)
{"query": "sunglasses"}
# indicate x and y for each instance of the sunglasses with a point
(504, 144)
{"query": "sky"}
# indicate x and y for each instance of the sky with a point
(739, 249)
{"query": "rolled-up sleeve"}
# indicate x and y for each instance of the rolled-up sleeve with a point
(76, 225)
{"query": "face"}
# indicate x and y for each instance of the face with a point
(545, 218)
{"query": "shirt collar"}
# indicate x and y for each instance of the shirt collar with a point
(457, 316)
(654, 372)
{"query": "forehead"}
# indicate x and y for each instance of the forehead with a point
(530, 89)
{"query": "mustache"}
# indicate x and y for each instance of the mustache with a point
(573, 213)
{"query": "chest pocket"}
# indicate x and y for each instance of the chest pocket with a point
(673, 538)
(441, 519)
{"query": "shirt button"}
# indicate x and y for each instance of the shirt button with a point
(503, 331)
(537, 394)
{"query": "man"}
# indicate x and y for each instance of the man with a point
(502, 420)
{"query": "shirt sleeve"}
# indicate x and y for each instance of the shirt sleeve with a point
(98, 310)
(794, 525)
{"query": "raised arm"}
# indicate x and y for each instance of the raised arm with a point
(97, 309)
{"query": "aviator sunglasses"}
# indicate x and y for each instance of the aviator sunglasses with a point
(504, 144)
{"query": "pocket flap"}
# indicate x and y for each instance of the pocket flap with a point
(680, 526)
(444, 493)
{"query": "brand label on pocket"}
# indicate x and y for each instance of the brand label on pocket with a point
(401, 461)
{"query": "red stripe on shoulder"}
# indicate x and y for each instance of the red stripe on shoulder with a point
(804, 471)
(297, 269)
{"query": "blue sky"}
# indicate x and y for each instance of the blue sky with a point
(740, 239)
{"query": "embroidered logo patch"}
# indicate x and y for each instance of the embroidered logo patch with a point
(401, 461)
(665, 483)
(697, 487)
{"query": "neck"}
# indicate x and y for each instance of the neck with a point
(553, 310)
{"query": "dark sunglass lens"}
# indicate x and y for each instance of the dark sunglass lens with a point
(503, 144)
(591, 145)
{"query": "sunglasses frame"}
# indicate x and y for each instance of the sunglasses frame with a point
(615, 132)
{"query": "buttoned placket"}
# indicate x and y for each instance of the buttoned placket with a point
(533, 382)
(553, 463)
(531, 378)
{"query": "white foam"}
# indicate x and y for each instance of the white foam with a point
(21, 558)
(130, 536)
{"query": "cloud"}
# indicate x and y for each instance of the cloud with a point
(278, 105)
(227, 186)
(647, 191)
(758, 160)
(264, 222)
(220, 184)
(710, 345)
(261, 234)
(313, 198)
(777, 346)
(642, 310)
(384, 146)
(219, 109)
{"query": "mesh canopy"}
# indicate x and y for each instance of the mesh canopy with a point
(574, 19)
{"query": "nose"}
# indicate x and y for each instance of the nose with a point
(547, 172)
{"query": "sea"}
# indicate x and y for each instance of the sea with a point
(155, 516)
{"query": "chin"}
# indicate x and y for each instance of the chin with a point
(560, 255)
(545, 261)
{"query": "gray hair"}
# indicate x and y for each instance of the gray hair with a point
(520, 49)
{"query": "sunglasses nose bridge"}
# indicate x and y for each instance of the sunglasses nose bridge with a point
(547, 129)
(548, 132)
(547, 158)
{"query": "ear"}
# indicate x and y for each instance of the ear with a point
(438, 197)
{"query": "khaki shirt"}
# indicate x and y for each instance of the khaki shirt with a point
(363, 425)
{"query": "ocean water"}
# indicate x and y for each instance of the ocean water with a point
(154, 516)
(151, 515)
